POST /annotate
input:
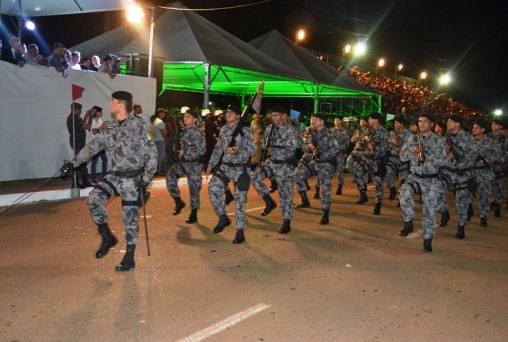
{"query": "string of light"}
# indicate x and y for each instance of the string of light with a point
(213, 9)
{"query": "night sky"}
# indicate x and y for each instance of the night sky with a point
(435, 35)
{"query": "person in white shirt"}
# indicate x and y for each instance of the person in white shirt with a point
(75, 59)
(160, 138)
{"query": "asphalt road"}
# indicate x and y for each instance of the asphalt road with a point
(352, 280)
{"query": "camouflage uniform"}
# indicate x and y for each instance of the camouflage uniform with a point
(424, 179)
(193, 144)
(343, 140)
(489, 153)
(394, 164)
(321, 166)
(279, 165)
(445, 180)
(230, 168)
(133, 160)
(460, 171)
(499, 168)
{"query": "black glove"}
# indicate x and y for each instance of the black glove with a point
(66, 169)
(143, 192)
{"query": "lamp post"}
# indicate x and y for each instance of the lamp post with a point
(135, 14)
(300, 35)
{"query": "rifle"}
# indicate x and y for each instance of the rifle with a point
(421, 155)
(394, 137)
(450, 143)
(268, 144)
(371, 141)
(315, 144)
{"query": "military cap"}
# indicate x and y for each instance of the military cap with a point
(193, 113)
(498, 121)
(122, 95)
(76, 105)
(321, 116)
(457, 118)
(235, 108)
(376, 116)
(482, 123)
(400, 119)
(278, 109)
(428, 116)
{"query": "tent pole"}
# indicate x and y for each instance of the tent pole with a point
(316, 100)
(206, 86)
(150, 47)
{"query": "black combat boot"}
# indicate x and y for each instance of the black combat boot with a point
(127, 262)
(393, 193)
(239, 237)
(470, 212)
(427, 246)
(179, 205)
(193, 217)
(229, 196)
(408, 229)
(108, 240)
(363, 197)
(398, 203)
(483, 222)
(316, 194)
(286, 227)
(445, 217)
(497, 210)
(270, 205)
(224, 221)
(377, 209)
(305, 201)
(460, 233)
(339, 190)
(324, 219)
(273, 186)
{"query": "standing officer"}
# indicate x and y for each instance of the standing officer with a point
(190, 156)
(426, 154)
(279, 142)
(343, 140)
(133, 159)
(230, 164)
(489, 153)
(77, 139)
(464, 153)
(322, 145)
(497, 184)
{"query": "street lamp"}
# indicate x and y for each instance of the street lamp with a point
(380, 64)
(135, 14)
(300, 35)
(445, 79)
(360, 48)
(498, 112)
(400, 67)
(423, 75)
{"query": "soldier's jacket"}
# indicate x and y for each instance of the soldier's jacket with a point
(283, 141)
(433, 150)
(488, 153)
(326, 142)
(342, 139)
(244, 143)
(129, 147)
(397, 140)
(380, 142)
(502, 141)
(193, 144)
(466, 148)
(79, 128)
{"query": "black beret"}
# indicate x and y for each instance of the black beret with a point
(482, 123)
(193, 113)
(97, 108)
(235, 108)
(76, 105)
(440, 124)
(376, 116)
(122, 95)
(429, 116)
(400, 119)
(457, 118)
(499, 122)
(278, 109)
(321, 116)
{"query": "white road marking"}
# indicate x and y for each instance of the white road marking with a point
(247, 211)
(225, 324)
(415, 234)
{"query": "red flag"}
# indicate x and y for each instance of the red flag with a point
(77, 92)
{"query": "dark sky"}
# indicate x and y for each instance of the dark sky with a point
(435, 35)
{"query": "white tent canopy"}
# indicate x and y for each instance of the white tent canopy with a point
(40, 8)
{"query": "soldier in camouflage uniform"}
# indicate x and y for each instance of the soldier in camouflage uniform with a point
(426, 154)
(360, 146)
(499, 166)
(343, 140)
(321, 148)
(373, 159)
(133, 160)
(397, 139)
(464, 152)
(279, 145)
(230, 164)
(444, 177)
(489, 153)
(190, 154)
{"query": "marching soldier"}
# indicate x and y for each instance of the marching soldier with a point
(279, 142)
(397, 139)
(322, 145)
(133, 159)
(374, 160)
(360, 147)
(498, 167)
(489, 153)
(231, 164)
(464, 153)
(444, 177)
(426, 154)
(343, 140)
(190, 156)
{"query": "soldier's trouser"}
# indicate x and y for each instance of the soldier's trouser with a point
(304, 171)
(216, 189)
(284, 176)
(81, 170)
(128, 190)
(391, 171)
(483, 191)
(194, 180)
(462, 200)
(324, 175)
(498, 188)
(340, 168)
(429, 188)
(379, 188)
(361, 170)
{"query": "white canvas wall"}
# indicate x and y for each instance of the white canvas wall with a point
(34, 105)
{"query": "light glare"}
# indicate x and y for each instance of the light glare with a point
(360, 48)
(135, 14)
(30, 25)
(498, 112)
(445, 79)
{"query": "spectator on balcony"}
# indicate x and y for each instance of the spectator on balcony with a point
(75, 59)
(12, 54)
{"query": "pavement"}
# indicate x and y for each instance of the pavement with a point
(351, 280)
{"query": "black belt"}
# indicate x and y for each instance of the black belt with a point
(284, 161)
(458, 170)
(432, 175)
(126, 174)
(199, 159)
(481, 167)
(328, 161)
(235, 164)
